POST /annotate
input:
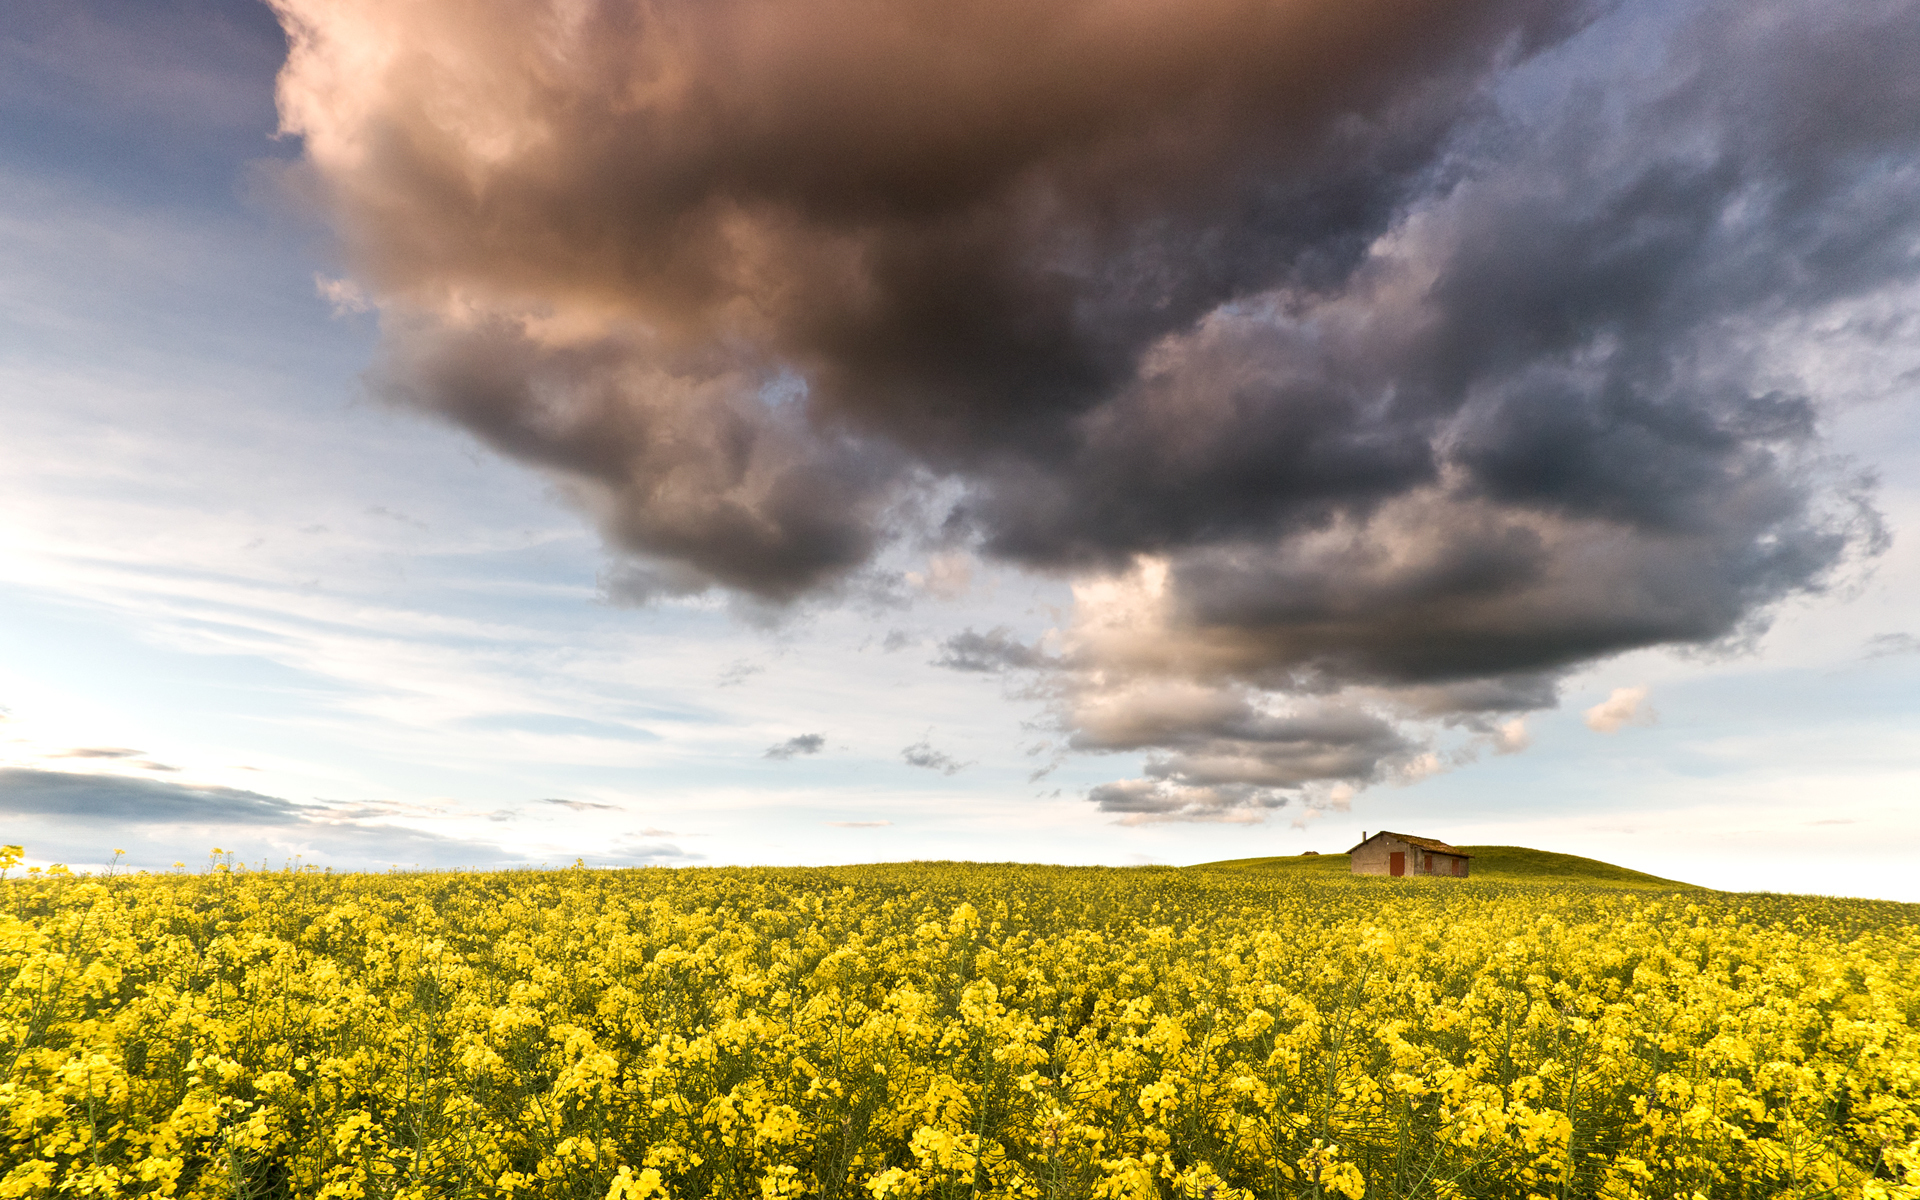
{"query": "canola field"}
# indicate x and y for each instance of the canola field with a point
(947, 1030)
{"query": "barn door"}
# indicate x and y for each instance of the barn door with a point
(1397, 863)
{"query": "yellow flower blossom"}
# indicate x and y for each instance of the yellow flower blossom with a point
(940, 1030)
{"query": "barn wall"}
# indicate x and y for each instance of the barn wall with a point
(1372, 858)
(1375, 858)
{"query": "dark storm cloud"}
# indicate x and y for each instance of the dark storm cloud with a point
(1396, 358)
(681, 464)
(955, 227)
(1476, 700)
(793, 747)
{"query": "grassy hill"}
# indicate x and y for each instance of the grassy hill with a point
(1505, 864)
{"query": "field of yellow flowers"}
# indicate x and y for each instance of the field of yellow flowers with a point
(946, 1030)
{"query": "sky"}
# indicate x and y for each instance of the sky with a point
(682, 434)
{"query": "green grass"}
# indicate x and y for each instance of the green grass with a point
(1504, 864)
(1313, 864)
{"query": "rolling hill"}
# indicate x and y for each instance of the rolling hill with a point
(1502, 864)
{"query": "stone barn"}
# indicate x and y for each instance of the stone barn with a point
(1404, 854)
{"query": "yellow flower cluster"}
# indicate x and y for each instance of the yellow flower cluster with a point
(941, 1030)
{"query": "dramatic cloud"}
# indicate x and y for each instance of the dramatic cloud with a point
(793, 747)
(1228, 753)
(1369, 367)
(1215, 754)
(732, 269)
(1626, 706)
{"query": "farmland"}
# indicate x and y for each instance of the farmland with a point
(948, 1030)
(1506, 864)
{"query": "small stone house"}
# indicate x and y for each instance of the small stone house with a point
(1403, 854)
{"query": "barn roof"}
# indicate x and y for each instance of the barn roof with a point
(1425, 843)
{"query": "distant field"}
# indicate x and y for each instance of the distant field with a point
(1506, 864)
(953, 1031)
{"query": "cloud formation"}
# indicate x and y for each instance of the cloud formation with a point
(73, 812)
(583, 805)
(121, 800)
(1369, 367)
(922, 754)
(799, 744)
(1888, 645)
(996, 650)
(1626, 706)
